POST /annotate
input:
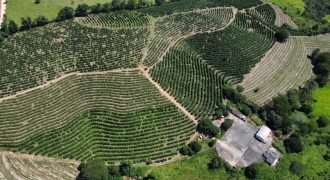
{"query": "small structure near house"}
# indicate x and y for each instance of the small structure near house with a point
(271, 156)
(263, 133)
(238, 114)
(217, 123)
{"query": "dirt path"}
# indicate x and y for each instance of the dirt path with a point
(48, 83)
(168, 96)
(2, 9)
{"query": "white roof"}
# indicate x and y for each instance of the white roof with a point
(263, 132)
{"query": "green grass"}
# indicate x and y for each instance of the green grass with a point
(294, 8)
(191, 168)
(322, 105)
(16, 9)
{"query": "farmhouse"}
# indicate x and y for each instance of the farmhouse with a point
(263, 134)
(271, 156)
(238, 114)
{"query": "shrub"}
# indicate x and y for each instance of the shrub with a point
(227, 124)
(206, 127)
(211, 143)
(195, 146)
(125, 168)
(250, 172)
(65, 13)
(297, 167)
(41, 20)
(37, 1)
(114, 170)
(322, 121)
(327, 156)
(94, 169)
(186, 150)
(82, 10)
(214, 164)
(293, 144)
(282, 35)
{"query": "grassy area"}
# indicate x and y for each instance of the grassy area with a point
(192, 168)
(16, 9)
(293, 8)
(322, 105)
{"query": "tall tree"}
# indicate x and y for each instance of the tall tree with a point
(65, 13)
(82, 10)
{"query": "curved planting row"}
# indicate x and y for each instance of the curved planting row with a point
(282, 18)
(265, 12)
(170, 29)
(284, 67)
(31, 58)
(185, 76)
(18, 166)
(321, 42)
(190, 5)
(118, 19)
(236, 49)
(117, 116)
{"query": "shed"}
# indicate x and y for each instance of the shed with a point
(263, 133)
(271, 156)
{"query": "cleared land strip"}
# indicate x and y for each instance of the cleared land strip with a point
(313, 42)
(168, 96)
(282, 18)
(284, 67)
(22, 166)
(48, 83)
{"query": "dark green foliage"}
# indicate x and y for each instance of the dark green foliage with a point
(65, 13)
(214, 164)
(245, 109)
(125, 168)
(297, 167)
(293, 144)
(280, 105)
(37, 1)
(186, 150)
(106, 7)
(206, 127)
(322, 68)
(322, 121)
(12, 27)
(26, 24)
(94, 170)
(282, 35)
(114, 170)
(293, 99)
(233, 95)
(41, 21)
(221, 111)
(82, 10)
(97, 8)
(195, 146)
(315, 54)
(327, 156)
(240, 88)
(250, 171)
(227, 124)
(211, 143)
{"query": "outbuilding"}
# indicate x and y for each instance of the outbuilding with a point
(271, 156)
(263, 134)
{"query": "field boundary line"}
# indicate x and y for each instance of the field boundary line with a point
(167, 95)
(48, 83)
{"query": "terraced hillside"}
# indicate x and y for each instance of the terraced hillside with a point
(321, 42)
(169, 29)
(236, 49)
(31, 58)
(22, 166)
(282, 18)
(101, 116)
(188, 78)
(284, 67)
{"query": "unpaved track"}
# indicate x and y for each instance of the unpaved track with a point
(48, 83)
(168, 96)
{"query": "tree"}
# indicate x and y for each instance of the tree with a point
(133, 3)
(94, 170)
(12, 27)
(82, 10)
(119, 4)
(125, 168)
(227, 124)
(26, 24)
(65, 13)
(245, 109)
(322, 121)
(106, 7)
(159, 2)
(220, 111)
(281, 105)
(293, 98)
(306, 108)
(293, 144)
(186, 150)
(251, 171)
(114, 170)
(297, 167)
(41, 21)
(195, 146)
(214, 164)
(240, 88)
(97, 8)
(37, 1)
(282, 35)
(206, 127)
(315, 54)
(146, 3)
